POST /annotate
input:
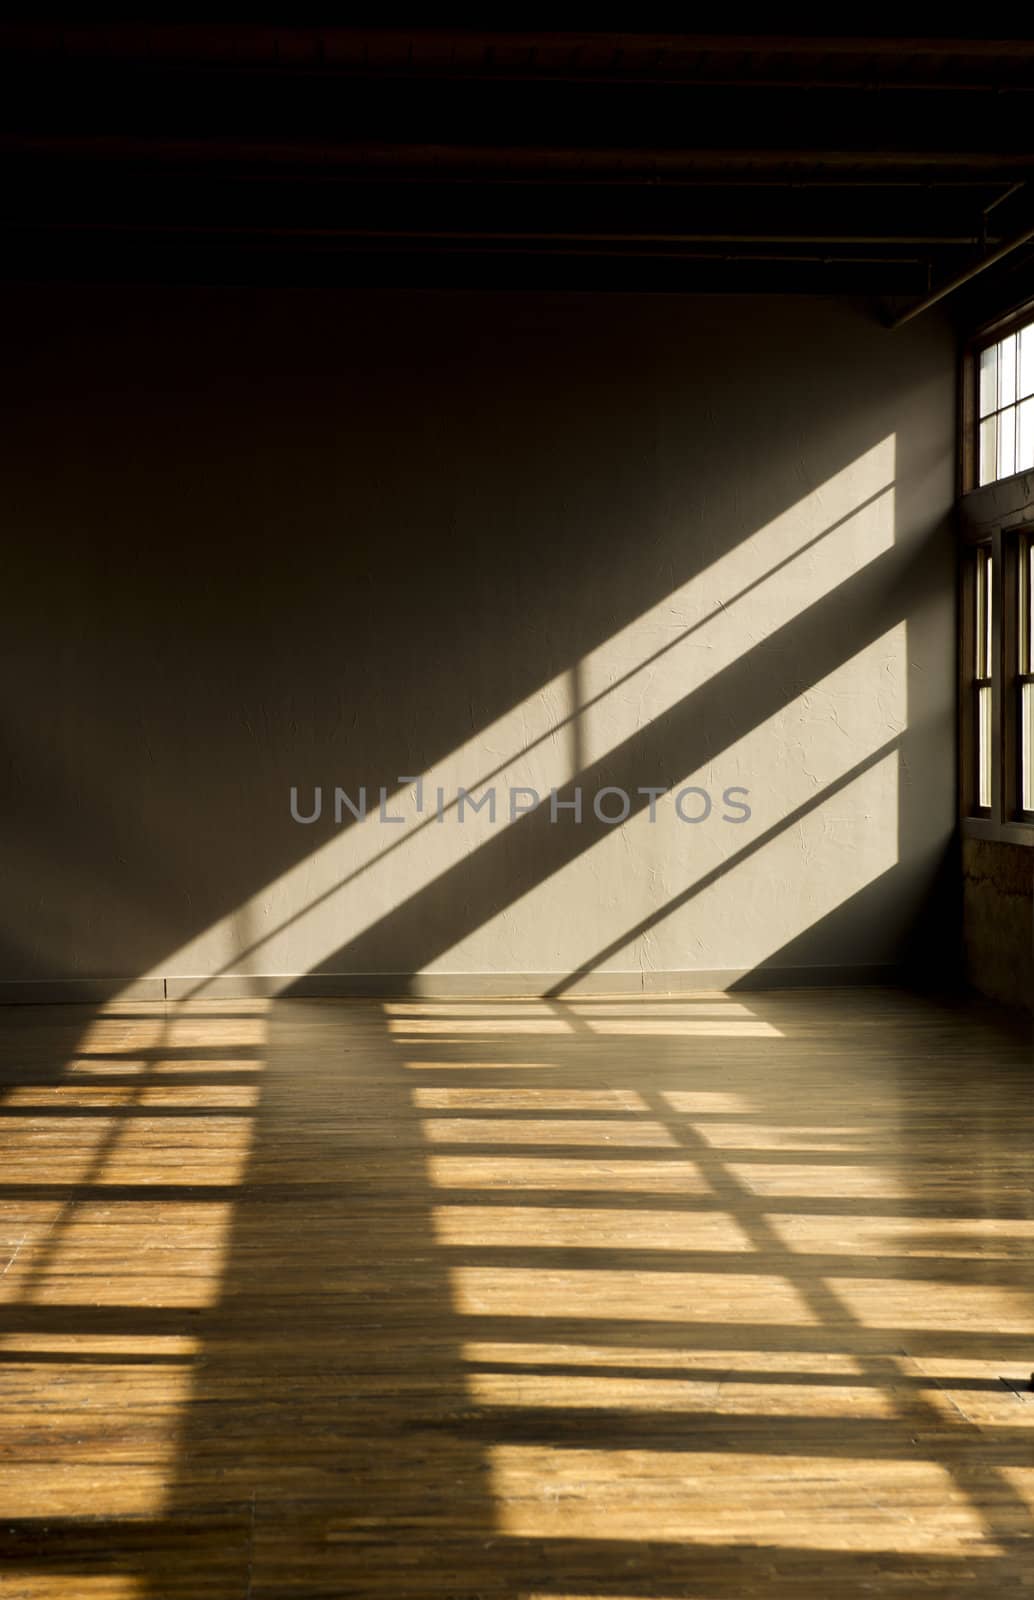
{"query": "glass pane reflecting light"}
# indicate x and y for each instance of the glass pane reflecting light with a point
(1005, 406)
(1025, 662)
(1027, 746)
(1026, 366)
(988, 379)
(988, 450)
(1006, 443)
(982, 664)
(1025, 436)
(984, 746)
(1007, 371)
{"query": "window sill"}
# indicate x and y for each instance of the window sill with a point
(1006, 503)
(1005, 832)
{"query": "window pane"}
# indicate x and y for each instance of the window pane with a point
(988, 449)
(1027, 746)
(1007, 371)
(984, 746)
(988, 380)
(988, 618)
(1007, 443)
(982, 596)
(1025, 440)
(1022, 604)
(1027, 360)
(1025, 605)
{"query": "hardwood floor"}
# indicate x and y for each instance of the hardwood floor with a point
(718, 1296)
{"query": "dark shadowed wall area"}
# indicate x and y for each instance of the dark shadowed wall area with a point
(998, 918)
(258, 539)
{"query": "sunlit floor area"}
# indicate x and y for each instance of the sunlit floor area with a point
(716, 1296)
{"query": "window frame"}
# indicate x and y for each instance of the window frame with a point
(995, 519)
(989, 333)
(1018, 672)
(978, 678)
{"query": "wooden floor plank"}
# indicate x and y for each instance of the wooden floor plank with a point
(711, 1296)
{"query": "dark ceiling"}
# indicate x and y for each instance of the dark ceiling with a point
(884, 166)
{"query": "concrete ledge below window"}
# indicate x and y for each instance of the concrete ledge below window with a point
(999, 832)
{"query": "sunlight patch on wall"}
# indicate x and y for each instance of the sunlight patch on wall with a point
(342, 888)
(738, 602)
(825, 848)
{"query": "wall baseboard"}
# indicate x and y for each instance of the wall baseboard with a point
(433, 985)
(78, 991)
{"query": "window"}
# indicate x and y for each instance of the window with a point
(996, 609)
(983, 658)
(1005, 406)
(978, 682)
(1023, 684)
(998, 683)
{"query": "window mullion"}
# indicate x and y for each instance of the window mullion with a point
(999, 803)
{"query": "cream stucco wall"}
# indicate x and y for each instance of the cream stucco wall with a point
(272, 539)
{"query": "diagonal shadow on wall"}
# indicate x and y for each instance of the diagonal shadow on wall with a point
(240, 589)
(695, 731)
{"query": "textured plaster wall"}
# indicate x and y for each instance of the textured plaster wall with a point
(258, 540)
(998, 901)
